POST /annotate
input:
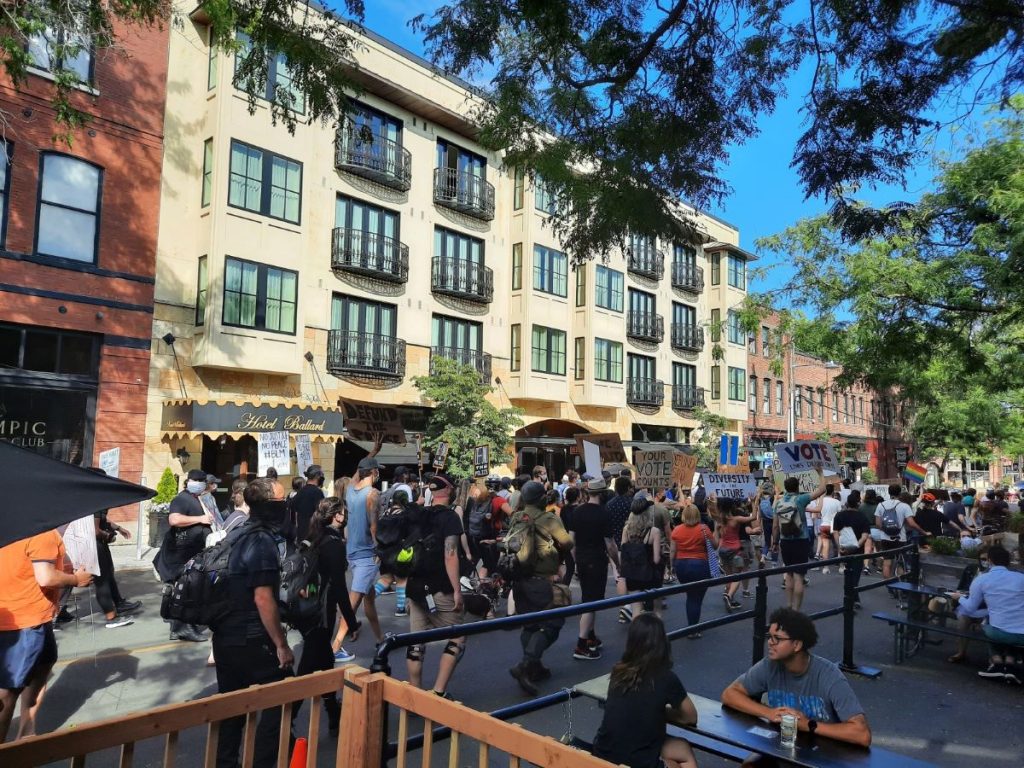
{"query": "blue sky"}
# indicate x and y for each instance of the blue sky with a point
(767, 196)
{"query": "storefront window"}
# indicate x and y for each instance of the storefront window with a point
(52, 422)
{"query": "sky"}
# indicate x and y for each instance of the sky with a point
(766, 193)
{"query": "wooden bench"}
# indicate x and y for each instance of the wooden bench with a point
(902, 639)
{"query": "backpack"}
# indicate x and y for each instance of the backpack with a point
(200, 594)
(848, 538)
(410, 545)
(788, 516)
(891, 525)
(636, 561)
(300, 594)
(523, 528)
(478, 522)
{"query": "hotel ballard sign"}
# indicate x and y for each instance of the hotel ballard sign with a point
(213, 418)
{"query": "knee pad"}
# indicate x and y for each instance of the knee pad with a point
(415, 652)
(454, 649)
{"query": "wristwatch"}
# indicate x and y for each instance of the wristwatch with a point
(812, 726)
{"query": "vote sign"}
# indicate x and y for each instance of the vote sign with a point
(804, 455)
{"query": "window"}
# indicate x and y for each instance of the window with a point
(579, 357)
(452, 335)
(517, 266)
(778, 398)
(734, 327)
(543, 199)
(581, 285)
(751, 343)
(684, 375)
(548, 350)
(766, 397)
(48, 351)
(861, 409)
(361, 316)
(201, 285)
(765, 342)
(835, 406)
(737, 272)
(716, 268)
(846, 408)
(716, 325)
(5, 188)
(517, 189)
(737, 384)
(642, 368)
(60, 51)
(368, 234)
(69, 204)
(467, 170)
(716, 382)
(373, 139)
(279, 87)
(821, 404)
(458, 262)
(798, 409)
(683, 315)
(265, 183)
(609, 288)
(608, 360)
(643, 250)
(259, 296)
(516, 354)
(809, 394)
(550, 271)
(753, 394)
(207, 172)
(685, 255)
(366, 334)
(211, 64)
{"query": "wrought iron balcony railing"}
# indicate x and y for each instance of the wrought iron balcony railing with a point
(648, 392)
(647, 326)
(686, 397)
(368, 253)
(479, 360)
(649, 263)
(368, 354)
(462, 278)
(688, 277)
(361, 152)
(464, 192)
(687, 336)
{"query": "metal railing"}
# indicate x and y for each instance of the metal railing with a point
(649, 263)
(372, 354)
(464, 192)
(462, 278)
(645, 392)
(369, 253)
(686, 397)
(360, 151)
(687, 336)
(688, 277)
(479, 360)
(645, 325)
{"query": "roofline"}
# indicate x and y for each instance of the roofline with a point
(720, 246)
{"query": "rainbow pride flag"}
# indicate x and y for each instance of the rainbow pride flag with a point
(915, 473)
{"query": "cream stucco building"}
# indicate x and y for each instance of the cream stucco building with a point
(294, 269)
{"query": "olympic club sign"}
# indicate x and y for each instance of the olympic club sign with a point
(214, 418)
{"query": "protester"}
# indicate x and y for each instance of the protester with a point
(828, 509)
(928, 517)
(853, 541)
(572, 502)
(297, 483)
(361, 502)
(730, 520)
(793, 681)
(689, 550)
(388, 582)
(306, 502)
(640, 552)
(763, 505)
(593, 547)
(481, 526)
(643, 692)
(33, 573)
(618, 512)
(209, 500)
(893, 517)
(271, 475)
(115, 608)
(955, 516)
(249, 643)
(790, 533)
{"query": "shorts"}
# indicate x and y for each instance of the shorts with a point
(24, 652)
(593, 575)
(421, 619)
(730, 558)
(795, 552)
(365, 571)
(886, 544)
(487, 554)
(825, 530)
(747, 552)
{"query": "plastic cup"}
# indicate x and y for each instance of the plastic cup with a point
(787, 731)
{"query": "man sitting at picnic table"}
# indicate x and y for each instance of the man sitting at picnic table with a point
(793, 681)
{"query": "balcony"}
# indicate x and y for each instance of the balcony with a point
(688, 277)
(687, 397)
(687, 337)
(479, 360)
(646, 392)
(357, 252)
(646, 326)
(355, 353)
(464, 192)
(462, 279)
(649, 263)
(362, 153)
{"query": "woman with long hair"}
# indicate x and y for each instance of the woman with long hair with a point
(690, 557)
(462, 497)
(642, 692)
(730, 518)
(640, 533)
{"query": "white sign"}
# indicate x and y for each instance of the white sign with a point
(739, 485)
(303, 453)
(80, 545)
(804, 455)
(110, 462)
(273, 452)
(880, 490)
(592, 458)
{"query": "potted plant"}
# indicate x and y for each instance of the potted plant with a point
(160, 505)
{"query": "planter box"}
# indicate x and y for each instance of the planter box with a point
(158, 526)
(943, 570)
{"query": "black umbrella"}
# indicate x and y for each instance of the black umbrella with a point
(51, 493)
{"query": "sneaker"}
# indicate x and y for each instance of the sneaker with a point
(728, 603)
(735, 604)
(444, 695)
(994, 670)
(342, 656)
(825, 569)
(625, 615)
(595, 643)
(403, 612)
(746, 593)
(63, 617)
(1010, 675)
(119, 621)
(128, 606)
(586, 653)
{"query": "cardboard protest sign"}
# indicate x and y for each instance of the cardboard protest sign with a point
(273, 452)
(303, 453)
(592, 458)
(368, 421)
(730, 486)
(742, 465)
(684, 465)
(609, 444)
(654, 468)
(440, 456)
(481, 460)
(880, 490)
(80, 545)
(803, 455)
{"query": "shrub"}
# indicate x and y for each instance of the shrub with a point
(867, 475)
(167, 488)
(1016, 523)
(944, 545)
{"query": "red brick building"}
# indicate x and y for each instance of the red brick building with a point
(78, 252)
(865, 426)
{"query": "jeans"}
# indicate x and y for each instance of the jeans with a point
(687, 571)
(766, 550)
(318, 656)
(1002, 642)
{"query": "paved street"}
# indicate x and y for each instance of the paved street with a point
(925, 708)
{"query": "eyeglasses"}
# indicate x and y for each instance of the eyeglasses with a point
(776, 639)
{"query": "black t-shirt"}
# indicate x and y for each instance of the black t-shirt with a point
(590, 525)
(186, 542)
(304, 504)
(618, 513)
(930, 519)
(854, 519)
(443, 522)
(332, 562)
(633, 728)
(255, 561)
(187, 504)
(952, 510)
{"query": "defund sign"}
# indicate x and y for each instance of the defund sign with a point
(803, 455)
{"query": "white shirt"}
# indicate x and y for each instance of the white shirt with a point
(829, 509)
(903, 511)
(1002, 590)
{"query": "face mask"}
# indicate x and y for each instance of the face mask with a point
(984, 565)
(271, 512)
(195, 487)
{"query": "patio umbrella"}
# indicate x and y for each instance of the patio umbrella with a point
(50, 493)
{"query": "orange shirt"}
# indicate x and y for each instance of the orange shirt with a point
(23, 603)
(689, 541)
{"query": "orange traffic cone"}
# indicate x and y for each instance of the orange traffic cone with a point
(299, 754)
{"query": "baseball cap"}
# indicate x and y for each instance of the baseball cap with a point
(928, 497)
(197, 474)
(212, 479)
(369, 463)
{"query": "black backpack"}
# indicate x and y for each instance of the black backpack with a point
(409, 545)
(636, 560)
(478, 521)
(200, 594)
(300, 594)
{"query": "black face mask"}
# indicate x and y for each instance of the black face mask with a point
(271, 512)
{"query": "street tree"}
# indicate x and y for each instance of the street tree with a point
(464, 418)
(710, 428)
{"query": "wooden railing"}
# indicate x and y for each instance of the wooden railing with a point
(360, 745)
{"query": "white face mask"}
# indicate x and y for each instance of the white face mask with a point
(195, 486)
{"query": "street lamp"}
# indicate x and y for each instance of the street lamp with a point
(791, 421)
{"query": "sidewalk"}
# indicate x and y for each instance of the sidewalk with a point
(126, 556)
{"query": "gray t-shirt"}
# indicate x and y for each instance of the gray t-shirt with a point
(821, 693)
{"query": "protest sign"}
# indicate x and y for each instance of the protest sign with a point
(440, 456)
(592, 458)
(880, 490)
(80, 545)
(368, 421)
(684, 465)
(730, 486)
(609, 444)
(273, 452)
(303, 453)
(654, 468)
(742, 465)
(110, 462)
(804, 455)
(481, 460)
